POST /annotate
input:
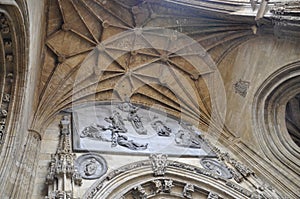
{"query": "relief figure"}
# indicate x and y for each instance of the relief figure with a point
(136, 121)
(122, 140)
(186, 139)
(117, 122)
(161, 128)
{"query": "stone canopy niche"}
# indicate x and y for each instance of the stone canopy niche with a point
(292, 118)
(128, 128)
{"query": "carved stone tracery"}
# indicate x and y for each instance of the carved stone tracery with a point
(63, 175)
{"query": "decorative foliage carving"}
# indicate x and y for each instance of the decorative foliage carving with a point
(241, 168)
(134, 165)
(6, 97)
(239, 188)
(62, 171)
(3, 113)
(159, 164)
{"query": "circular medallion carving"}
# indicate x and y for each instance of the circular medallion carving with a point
(216, 167)
(91, 166)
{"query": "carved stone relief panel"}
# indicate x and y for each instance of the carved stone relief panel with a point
(241, 87)
(127, 128)
(91, 166)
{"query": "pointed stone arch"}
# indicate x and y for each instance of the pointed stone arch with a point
(180, 180)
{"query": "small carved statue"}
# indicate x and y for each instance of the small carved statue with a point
(188, 190)
(157, 186)
(168, 184)
(139, 192)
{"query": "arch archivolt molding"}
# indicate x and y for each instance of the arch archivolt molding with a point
(8, 45)
(269, 116)
(151, 179)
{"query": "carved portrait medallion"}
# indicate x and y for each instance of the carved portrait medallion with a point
(91, 166)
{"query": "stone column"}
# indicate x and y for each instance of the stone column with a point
(27, 167)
